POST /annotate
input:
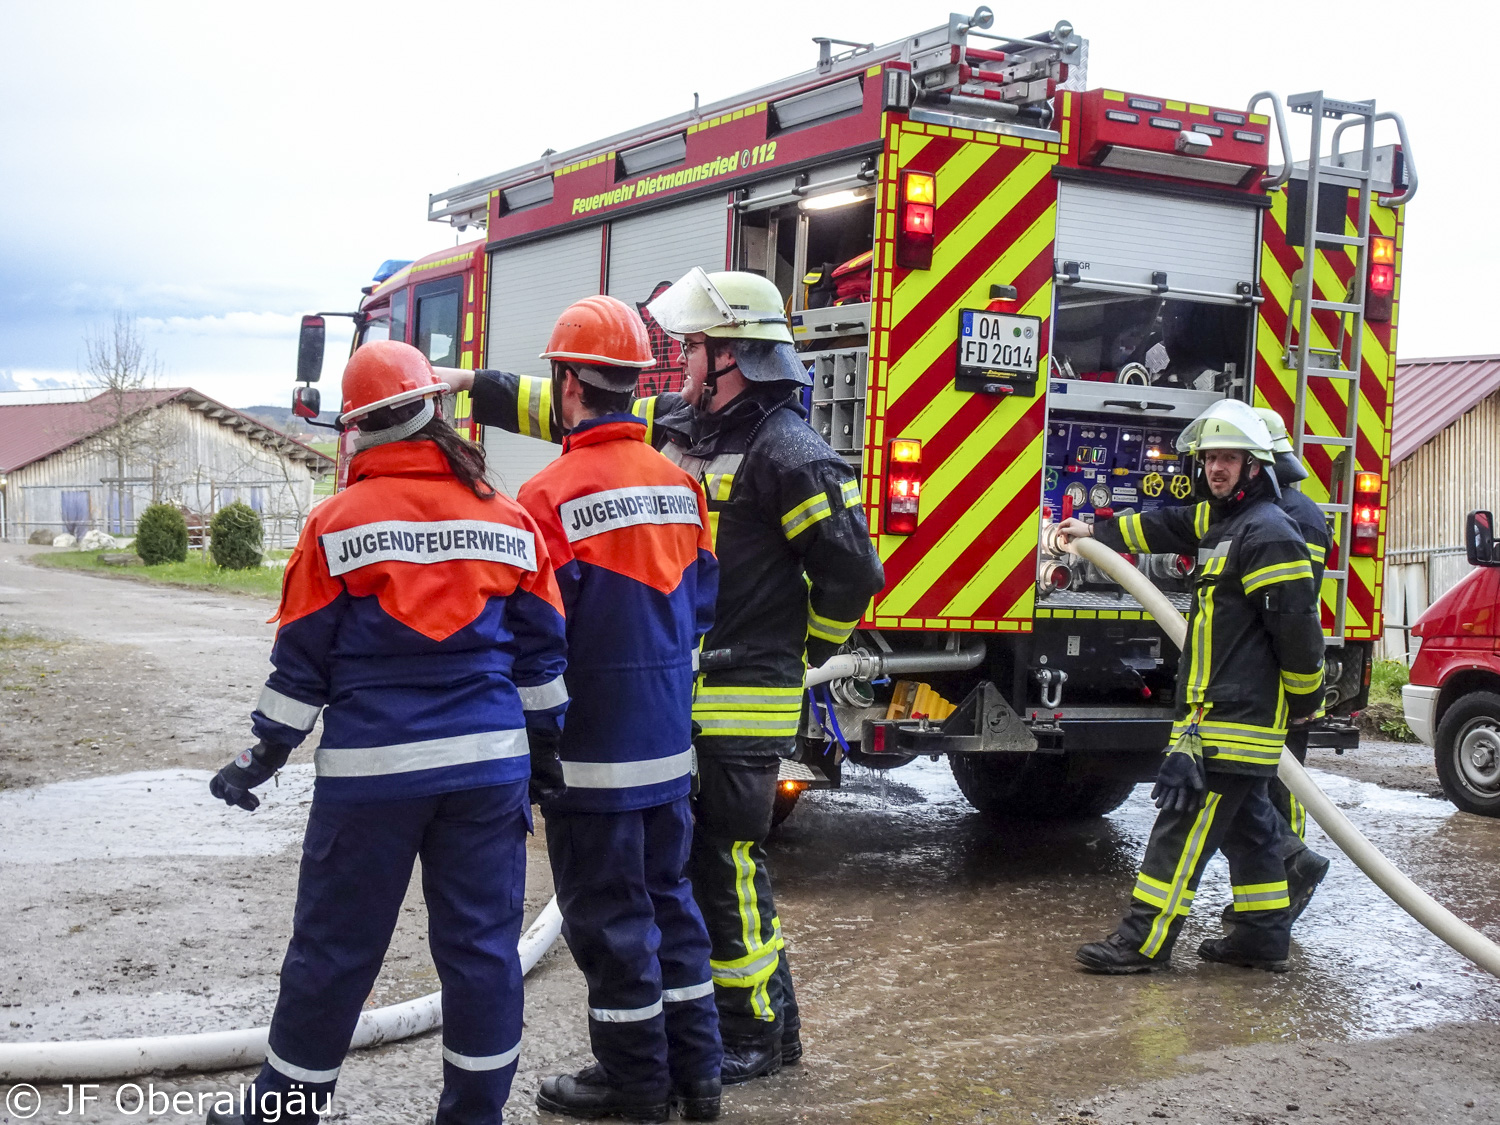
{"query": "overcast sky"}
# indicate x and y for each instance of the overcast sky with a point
(217, 170)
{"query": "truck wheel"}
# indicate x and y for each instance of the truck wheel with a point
(1033, 787)
(786, 801)
(1468, 753)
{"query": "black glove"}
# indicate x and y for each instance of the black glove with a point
(820, 651)
(253, 767)
(1181, 781)
(546, 767)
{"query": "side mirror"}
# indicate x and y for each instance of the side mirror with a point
(310, 350)
(307, 402)
(1479, 539)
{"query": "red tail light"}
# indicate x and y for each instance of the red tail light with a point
(1380, 290)
(918, 213)
(903, 486)
(1366, 514)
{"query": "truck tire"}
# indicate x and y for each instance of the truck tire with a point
(786, 801)
(1034, 787)
(1468, 753)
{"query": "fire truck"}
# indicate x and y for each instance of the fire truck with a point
(1013, 292)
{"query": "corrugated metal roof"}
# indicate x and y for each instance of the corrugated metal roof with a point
(32, 431)
(1432, 394)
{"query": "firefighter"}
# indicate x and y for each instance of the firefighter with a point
(797, 571)
(1305, 868)
(421, 617)
(1252, 662)
(627, 532)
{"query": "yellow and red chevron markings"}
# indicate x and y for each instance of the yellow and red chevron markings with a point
(1328, 399)
(971, 563)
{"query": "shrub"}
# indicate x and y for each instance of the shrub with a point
(1387, 678)
(235, 537)
(161, 535)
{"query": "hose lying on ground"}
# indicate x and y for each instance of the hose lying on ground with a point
(232, 1050)
(1402, 891)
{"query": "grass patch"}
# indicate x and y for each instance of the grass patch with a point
(196, 573)
(12, 639)
(1384, 714)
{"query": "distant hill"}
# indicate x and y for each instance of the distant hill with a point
(284, 420)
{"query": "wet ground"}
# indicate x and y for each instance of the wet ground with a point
(933, 948)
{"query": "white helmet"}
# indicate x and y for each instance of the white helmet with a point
(738, 306)
(1228, 424)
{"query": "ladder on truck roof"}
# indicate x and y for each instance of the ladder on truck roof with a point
(1328, 363)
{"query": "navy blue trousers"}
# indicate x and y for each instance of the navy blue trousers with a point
(635, 931)
(356, 866)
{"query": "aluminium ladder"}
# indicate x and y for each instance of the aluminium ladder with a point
(1328, 363)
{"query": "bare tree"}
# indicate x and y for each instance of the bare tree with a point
(117, 361)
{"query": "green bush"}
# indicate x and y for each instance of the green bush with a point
(235, 537)
(161, 535)
(1387, 678)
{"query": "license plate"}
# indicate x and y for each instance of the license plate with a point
(998, 343)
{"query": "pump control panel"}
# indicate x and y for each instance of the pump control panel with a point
(1124, 467)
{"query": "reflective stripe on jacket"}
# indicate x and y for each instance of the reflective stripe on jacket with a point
(628, 533)
(425, 624)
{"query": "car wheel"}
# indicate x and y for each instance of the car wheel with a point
(1468, 753)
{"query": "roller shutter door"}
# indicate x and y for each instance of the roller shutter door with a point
(664, 245)
(1127, 236)
(529, 286)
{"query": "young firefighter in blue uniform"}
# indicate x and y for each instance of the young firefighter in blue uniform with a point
(627, 531)
(1253, 661)
(796, 573)
(420, 615)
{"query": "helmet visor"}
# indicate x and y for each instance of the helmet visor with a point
(693, 304)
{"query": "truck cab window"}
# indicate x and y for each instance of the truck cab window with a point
(375, 329)
(437, 317)
(398, 316)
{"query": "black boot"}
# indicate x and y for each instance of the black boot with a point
(1303, 874)
(1116, 956)
(697, 1099)
(791, 1046)
(745, 1059)
(1222, 951)
(589, 1094)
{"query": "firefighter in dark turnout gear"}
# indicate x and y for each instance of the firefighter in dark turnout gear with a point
(796, 572)
(1305, 868)
(1251, 664)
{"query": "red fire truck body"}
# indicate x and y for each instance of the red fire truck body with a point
(1012, 293)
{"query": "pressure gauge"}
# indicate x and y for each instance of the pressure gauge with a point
(1077, 493)
(1099, 496)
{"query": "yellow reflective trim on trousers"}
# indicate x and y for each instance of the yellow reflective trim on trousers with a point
(1261, 896)
(1186, 863)
(1201, 516)
(1156, 893)
(534, 407)
(749, 902)
(805, 514)
(1298, 818)
(850, 492)
(645, 409)
(1280, 572)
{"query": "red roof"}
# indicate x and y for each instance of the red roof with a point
(35, 430)
(1432, 394)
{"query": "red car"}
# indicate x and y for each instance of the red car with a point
(1453, 700)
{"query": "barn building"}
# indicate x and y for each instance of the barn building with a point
(1445, 463)
(72, 466)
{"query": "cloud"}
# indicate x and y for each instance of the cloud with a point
(259, 324)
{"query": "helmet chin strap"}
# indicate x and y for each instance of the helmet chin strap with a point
(711, 384)
(399, 432)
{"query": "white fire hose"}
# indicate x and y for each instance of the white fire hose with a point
(231, 1050)
(1402, 891)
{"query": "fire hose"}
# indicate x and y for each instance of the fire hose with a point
(231, 1050)
(1382, 872)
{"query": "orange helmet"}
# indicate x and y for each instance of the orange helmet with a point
(386, 373)
(601, 330)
